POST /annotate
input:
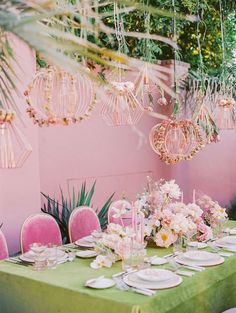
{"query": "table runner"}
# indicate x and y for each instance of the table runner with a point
(62, 290)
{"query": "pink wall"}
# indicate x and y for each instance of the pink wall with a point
(19, 188)
(212, 171)
(94, 150)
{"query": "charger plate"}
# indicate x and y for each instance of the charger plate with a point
(134, 281)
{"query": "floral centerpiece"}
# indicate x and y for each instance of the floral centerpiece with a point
(168, 218)
(114, 244)
(213, 214)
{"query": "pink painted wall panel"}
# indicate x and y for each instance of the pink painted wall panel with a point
(19, 188)
(93, 150)
(212, 171)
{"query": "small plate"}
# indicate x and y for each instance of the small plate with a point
(154, 275)
(86, 254)
(198, 245)
(158, 261)
(101, 283)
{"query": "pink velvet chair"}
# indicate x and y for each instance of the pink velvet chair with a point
(83, 221)
(3, 247)
(41, 228)
(126, 218)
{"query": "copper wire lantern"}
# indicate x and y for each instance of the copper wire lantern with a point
(14, 148)
(174, 140)
(120, 106)
(58, 97)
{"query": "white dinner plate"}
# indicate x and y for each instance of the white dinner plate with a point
(196, 255)
(87, 242)
(85, 254)
(30, 256)
(134, 281)
(184, 261)
(229, 240)
(225, 246)
(102, 283)
(231, 231)
(156, 275)
(198, 245)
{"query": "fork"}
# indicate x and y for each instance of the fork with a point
(120, 284)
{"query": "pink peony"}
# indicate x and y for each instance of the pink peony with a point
(204, 232)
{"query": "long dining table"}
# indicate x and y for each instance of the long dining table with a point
(62, 290)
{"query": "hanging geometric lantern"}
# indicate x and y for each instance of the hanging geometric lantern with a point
(174, 141)
(14, 149)
(120, 106)
(151, 79)
(58, 97)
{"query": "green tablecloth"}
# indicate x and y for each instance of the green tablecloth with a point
(62, 290)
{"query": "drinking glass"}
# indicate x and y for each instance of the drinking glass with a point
(52, 257)
(40, 260)
(180, 244)
(132, 255)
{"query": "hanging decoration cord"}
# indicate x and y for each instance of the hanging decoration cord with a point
(223, 43)
(175, 98)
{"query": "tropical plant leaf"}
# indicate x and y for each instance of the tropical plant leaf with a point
(89, 195)
(62, 211)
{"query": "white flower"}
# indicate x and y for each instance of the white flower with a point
(182, 225)
(101, 261)
(194, 210)
(113, 228)
(111, 240)
(171, 190)
(119, 212)
(165, 237)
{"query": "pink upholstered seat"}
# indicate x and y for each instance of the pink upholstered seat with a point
(3, 247)
(126, 218)
(41, 228)
(83, 221)
(233, 310)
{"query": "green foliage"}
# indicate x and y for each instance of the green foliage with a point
(232, 209)
(62, 210)
(210, 33)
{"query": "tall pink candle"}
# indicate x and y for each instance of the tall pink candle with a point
(194, 196)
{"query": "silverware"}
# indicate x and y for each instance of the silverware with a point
(176, 265)
(93, 280)
(120, 284)
(18, 262)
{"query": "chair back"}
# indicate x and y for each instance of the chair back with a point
(3, 247)
(82, 222)
(41, 228)
(125, 219)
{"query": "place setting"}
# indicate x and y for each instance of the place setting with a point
(42, 257)
(199, 258)
(227, 243)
